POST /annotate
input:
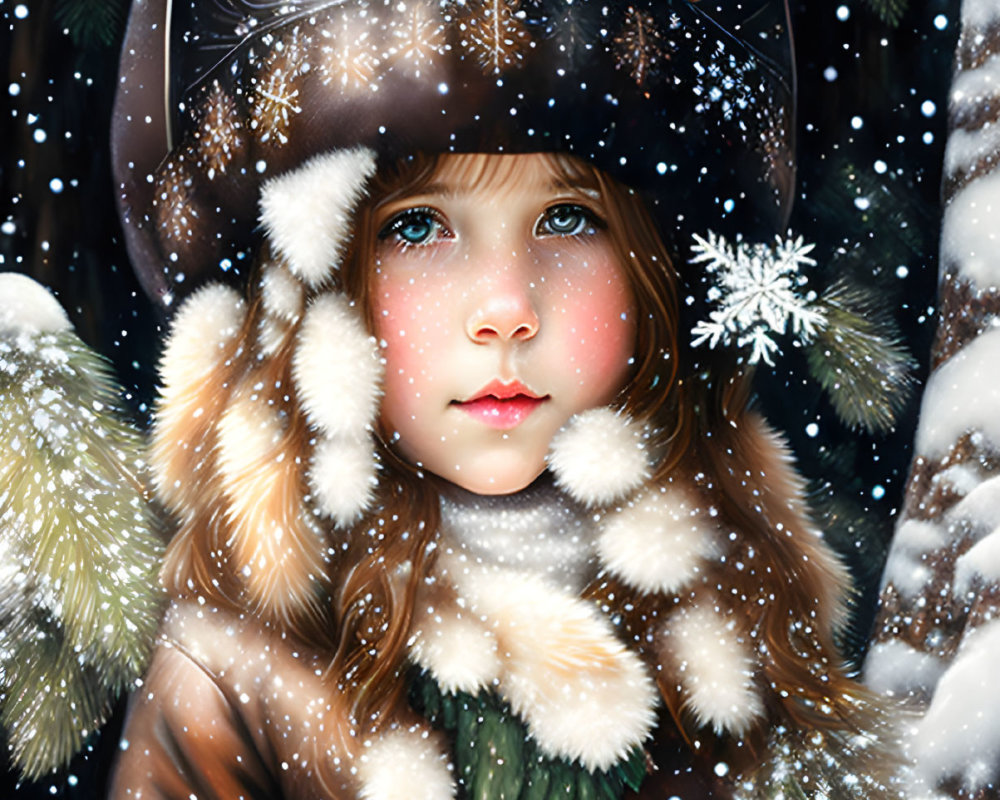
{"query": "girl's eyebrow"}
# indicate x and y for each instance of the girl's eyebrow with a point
(451, 190)
(446, 190)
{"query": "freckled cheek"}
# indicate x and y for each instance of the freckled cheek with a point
(413, 332)
(598, 330)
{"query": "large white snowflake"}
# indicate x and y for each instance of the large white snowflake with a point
(759, 293)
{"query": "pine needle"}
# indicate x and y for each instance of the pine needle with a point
(78, 545)
(92, 24)
(860, 363)
(890, 11)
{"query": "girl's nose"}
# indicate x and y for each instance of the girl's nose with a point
(506, 310)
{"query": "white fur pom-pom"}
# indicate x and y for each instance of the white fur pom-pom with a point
(716, 669)
(659, 540)
(342, 478)
(405, 765)
(600, 456)
(28, 308)
(207, 321)
(282, 294)
(457, 649)
(337, 368)
(307, 212)
(582, 693)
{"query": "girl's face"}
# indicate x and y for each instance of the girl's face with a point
(502, 310)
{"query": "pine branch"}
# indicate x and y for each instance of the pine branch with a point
(79, 549)
(92, 24)
(859, 361)
(805, 763)
(891, 11)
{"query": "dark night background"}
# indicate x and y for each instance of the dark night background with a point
(871, 135)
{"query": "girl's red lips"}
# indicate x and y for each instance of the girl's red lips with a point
(503, 391)
(502, 405)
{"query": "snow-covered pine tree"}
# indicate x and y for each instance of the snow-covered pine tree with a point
(937, 637)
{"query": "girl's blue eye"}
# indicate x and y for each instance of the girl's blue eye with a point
(415, 226)
(566, 219)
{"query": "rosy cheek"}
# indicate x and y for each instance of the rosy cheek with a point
(408, 324)
(600, 328)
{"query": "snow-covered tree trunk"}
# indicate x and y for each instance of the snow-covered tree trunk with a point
(937, 636)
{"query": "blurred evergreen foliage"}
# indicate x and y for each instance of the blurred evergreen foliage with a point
(93, 24)
(891, 11)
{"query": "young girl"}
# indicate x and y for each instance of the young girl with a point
(458, 510)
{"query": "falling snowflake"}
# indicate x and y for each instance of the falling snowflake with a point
(218, 135)
(759, 292)
(494, 31)
(639, 47)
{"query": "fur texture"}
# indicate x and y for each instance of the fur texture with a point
(455, 646)
(660, 540)
(307, 212)
(283, 295)
(716, 669)
(338, 372)
(343, 477)
(201, 340)
(600, 456)
(582, 693)
(776, 470)
(337, 368)
(272, 333)
(405, 764)
(28, 308)
(277, 553)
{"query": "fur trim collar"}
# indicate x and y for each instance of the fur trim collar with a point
(559, 662)
(552, 656)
